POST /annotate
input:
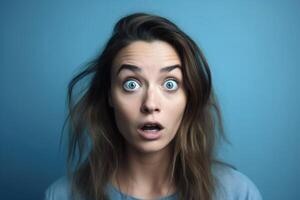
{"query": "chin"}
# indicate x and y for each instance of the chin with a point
(151, 147)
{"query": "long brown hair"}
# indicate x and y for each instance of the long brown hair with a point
(96, 147)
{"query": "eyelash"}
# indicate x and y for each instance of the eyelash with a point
(167, 79)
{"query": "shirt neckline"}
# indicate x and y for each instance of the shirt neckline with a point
(115, 190)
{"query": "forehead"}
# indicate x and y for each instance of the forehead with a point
(147, 55)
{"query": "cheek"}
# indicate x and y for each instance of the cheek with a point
(126, 111)
(176, 110)
(125, 104)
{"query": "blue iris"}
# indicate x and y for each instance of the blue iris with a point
(131, 85)
(171, 85)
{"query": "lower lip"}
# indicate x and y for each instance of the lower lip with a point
(150, 135)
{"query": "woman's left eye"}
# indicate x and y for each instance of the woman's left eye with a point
(171, 84)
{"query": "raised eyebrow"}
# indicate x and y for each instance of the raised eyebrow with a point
(129, 67)
(169, 68)
(138, 69)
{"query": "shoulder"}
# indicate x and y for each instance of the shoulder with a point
(59, 190)
(232, 184)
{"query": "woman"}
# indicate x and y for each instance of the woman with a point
(146, 125)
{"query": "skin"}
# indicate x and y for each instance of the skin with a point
(145, 172)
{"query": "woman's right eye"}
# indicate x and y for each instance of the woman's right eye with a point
(131, 85)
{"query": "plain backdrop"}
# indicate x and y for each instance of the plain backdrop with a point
(252, 47)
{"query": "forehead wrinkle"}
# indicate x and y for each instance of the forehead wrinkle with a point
(145, 75)
(146, 61)
(147, 55)
(133, 51)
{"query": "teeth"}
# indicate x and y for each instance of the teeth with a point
(151, 127)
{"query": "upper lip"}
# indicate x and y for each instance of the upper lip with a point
(150, 123)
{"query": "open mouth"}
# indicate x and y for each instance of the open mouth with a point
(152, 127)
(150, 131)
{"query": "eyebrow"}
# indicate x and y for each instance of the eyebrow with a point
(135, 68)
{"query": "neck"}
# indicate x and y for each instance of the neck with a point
(146, 175)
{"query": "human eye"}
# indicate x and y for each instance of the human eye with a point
(171, 84)
(131, 85)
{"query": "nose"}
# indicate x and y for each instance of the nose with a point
(150, 102)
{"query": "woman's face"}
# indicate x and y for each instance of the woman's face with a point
(147, 94)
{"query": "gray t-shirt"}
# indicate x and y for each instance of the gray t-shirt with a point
(231, 185)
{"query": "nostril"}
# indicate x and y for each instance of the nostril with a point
(149, 103)
(149, 109)
(146, 109)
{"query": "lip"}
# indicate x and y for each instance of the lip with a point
(150, 122)
(150, 134)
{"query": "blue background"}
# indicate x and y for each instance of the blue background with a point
(253, 49)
